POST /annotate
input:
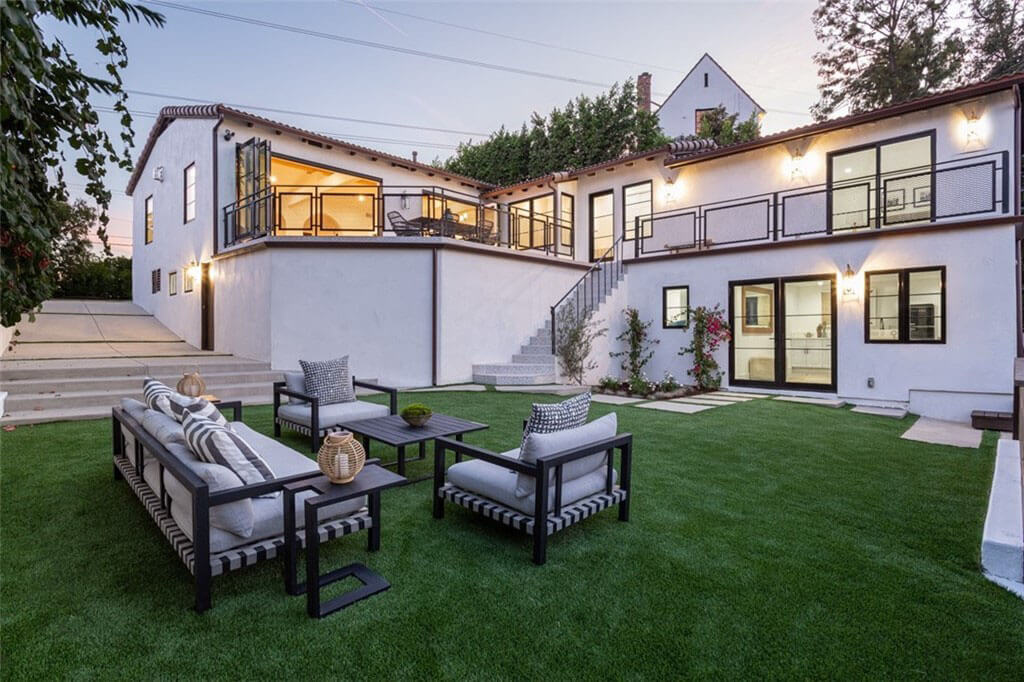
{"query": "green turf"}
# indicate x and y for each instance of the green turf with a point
(767, 540)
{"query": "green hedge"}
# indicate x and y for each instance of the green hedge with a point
(109, 278)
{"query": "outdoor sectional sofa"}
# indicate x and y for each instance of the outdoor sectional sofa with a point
(578, 463)
(190, 504)
(305, 414)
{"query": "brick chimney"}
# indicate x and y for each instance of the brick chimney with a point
(414, 155)
(643, 91)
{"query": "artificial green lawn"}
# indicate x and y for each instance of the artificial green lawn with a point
(767, 540)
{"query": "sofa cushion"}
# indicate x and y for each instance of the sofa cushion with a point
(334, 414)
(133, 408)
(499, 484)
(295, 381)
(551, 417)
(217, 444)
(544, 444)
(233, 517)
(161, 398)
(328, 380)
(162, 427)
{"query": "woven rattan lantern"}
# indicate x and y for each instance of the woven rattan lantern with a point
(191, 384)
(341, 457)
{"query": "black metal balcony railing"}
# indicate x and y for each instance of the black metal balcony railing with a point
(971, 186)
(376, 211)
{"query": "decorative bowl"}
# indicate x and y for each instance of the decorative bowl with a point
(416, 414)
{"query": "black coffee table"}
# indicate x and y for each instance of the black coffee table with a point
(392, 430)
(369, 482)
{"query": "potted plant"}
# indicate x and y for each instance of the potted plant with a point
(416, 414)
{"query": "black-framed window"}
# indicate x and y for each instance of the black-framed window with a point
(190, 193)
(172, 283)
(155, 280)
(149, 219)
(675, 306)
(637, 201)
(905, 306)
(698, 118)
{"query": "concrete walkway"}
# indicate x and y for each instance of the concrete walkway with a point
(939, 432)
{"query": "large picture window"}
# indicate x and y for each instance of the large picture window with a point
(637, 201)
(675, 306)
(149, 219)
(190, 193)
(905, 306)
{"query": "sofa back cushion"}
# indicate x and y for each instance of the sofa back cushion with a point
(163, 428)
(161, 398)
(134, 408)
(295, 381)
(551, 417)
(234, 517)
(217, 444)
(328, 380)
(539, 445)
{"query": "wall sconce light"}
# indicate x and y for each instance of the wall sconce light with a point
(193, 272)
(405, 201)
(668, 192)
(973, 128)
(228, 134)
(796, 168)
(849, 281)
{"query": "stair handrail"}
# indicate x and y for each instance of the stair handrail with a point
(613, 255)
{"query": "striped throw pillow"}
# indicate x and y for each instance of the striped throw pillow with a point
(328, 380)
(216, 444)
(162, 399)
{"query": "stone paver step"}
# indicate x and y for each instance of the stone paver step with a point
(514, 368)
(533, 358)
(892, 412)
(673, 406)
(514, 379)
(823, 402)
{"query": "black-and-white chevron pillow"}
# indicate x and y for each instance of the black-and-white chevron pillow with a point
(551, 417)
(162, 399)
(216, 444)
(328, 380)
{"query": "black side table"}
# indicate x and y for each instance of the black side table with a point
(370, 482)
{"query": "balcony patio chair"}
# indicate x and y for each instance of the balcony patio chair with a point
(402, 227)
(578, 463)
(305, 414)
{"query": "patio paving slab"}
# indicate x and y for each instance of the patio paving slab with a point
(553, 389)
(721, 398)
(893, 412)
(700, 401)
(742, 395)
(941, 432)
(824, 402)
(672, 406)
(452, 387)
(615, 399)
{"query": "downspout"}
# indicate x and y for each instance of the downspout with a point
(216, 179)
(433, 319)
(556, 207)
(1018, 154)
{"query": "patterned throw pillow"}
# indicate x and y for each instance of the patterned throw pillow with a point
(216, 444)
(162, 399)
(328, 380)
(551, 417)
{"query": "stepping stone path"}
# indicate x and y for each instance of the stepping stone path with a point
(737, 394)
(453, 387)
(614, 399)
(701, 400)
(939, 432)
(824, 402)
(673, 406)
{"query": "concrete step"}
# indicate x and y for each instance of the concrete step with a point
(109, 398)
(514, 379)
(23, 417)
(511, 368)
(535, 350)
(533, 358)
(14, 370)
(23, 387)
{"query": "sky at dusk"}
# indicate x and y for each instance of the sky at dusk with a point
(767, 46)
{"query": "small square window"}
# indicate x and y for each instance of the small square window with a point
(172, 283)
(675, 305)
(188, 281)
(155, 280)
(905, 306)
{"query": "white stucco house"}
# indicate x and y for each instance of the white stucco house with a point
(705, 87)
(875, 258)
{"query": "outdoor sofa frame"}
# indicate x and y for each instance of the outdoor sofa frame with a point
(314, 431)
(195, 553)
(560, 517)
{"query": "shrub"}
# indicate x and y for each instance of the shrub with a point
(641, 385)
(576, 332)
(668, 383)
(609, 383)
(710, 329)
(108, 278)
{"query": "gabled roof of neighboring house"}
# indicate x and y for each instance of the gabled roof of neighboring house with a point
(958, 94)
(169, 114)
(715, 62)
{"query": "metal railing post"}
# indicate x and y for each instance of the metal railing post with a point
(553, 335)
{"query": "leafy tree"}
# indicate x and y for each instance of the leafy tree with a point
(586, 131)
(721, 126)
(996, 38)
(45, 102)
(71, 247)
(878, 52)
(109, 277)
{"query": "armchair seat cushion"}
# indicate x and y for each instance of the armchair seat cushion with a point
(499, 484)
(333, 414)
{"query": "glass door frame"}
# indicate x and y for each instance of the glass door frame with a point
(590, 224)
(879, 200)
(779, 321)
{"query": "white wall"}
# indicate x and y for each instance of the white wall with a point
(175, 243)
(969, 371)
(676, 114)
(241, 309)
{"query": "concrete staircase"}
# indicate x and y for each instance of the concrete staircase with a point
(58, 390)
(535, 364)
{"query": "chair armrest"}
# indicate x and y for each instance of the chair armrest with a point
(445, 444)
(279, 390)
(616, 442)
(234, 405)
(392, 392)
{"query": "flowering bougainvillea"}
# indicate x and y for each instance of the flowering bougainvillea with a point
(710, 330)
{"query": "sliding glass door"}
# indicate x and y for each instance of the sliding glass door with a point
(783, 332)
(602, 223)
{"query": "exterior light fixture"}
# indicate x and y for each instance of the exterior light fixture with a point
(849, 281)
(193, 271)
(796, 167)
(972, 130)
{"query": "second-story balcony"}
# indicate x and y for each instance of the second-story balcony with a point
(366, 210)
(970, 187)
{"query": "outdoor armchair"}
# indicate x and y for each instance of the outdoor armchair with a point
(305, 414)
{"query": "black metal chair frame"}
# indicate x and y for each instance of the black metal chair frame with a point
(202, 499)
(315, 434)
(403, 227)
(541, 471)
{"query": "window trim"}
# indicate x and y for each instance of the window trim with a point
(184, 193)
(592, 257)
(187, 283)
(148, 220)
(697, 118)
(155, 277)
(625, 188)
(172, 283)
(664, 304)
(903, 312)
